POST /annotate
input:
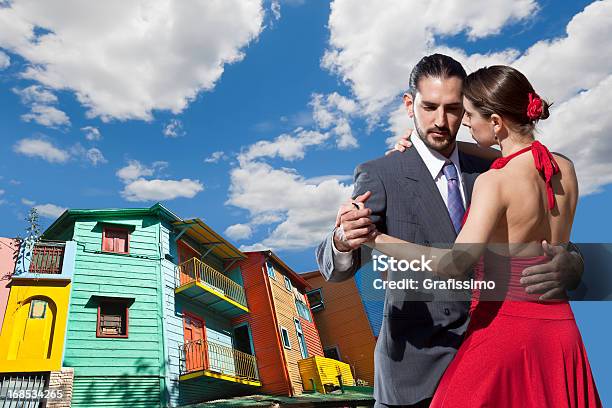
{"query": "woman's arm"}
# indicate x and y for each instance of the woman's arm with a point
(486, 208)
(473, 149)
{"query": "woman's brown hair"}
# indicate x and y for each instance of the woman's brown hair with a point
(505, 91)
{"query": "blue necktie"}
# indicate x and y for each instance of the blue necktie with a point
(456, 210)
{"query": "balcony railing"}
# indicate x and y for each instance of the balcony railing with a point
(199, 355)
(195, 270)
(47, 258)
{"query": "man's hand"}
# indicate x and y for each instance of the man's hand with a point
(552, 279)
(402, 144)
(354, 224)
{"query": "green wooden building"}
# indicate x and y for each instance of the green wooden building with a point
(152, 307)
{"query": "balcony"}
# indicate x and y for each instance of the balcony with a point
(202, 283)
(46, 260)
(217, 364)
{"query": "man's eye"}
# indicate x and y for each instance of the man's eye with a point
(429, 108)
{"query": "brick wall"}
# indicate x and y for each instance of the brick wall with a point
(60, 382)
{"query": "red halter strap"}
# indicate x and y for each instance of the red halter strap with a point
(544, 162)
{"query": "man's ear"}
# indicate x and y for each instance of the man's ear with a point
(409, 103)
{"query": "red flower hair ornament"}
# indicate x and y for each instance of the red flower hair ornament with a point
(535, 107)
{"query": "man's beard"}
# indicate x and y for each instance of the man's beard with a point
(442, 145)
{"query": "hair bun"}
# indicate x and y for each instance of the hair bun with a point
(545, 110)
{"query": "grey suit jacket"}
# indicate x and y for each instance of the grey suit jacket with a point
(418, 339)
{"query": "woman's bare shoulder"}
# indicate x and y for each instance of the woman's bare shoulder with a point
(566, 166)
(563, 161)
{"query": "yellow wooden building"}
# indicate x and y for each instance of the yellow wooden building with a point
(34, 325)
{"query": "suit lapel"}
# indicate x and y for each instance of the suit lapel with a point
(430, 209)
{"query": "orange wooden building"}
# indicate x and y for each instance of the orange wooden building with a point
(282, 326)
(346, 326)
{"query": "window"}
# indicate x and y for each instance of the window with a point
(112, 319)
(270, 270)
(302, 310)
(315, 298)
(288, 284)
(115, 240)
(332, 352)
(301, 340)
(38, 309)
(285, 338)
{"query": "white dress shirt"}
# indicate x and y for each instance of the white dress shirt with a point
(434, 162)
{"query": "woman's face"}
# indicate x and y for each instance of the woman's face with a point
(480, 127)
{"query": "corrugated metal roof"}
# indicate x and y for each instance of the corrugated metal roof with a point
(203, 234)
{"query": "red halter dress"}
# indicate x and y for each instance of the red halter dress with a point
(518, 352)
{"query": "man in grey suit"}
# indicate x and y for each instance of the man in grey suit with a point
(420, 196)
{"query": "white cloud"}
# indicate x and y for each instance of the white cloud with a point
(276, 9)
(91, 133)
(373, 50)
(27, 202)
(174, 128)
(578, 129)
(5, 61)
(215, 157)
(238, 231)
(42, 111)
(305, 210)
(159, 190)
(561, 67)
(133, 171)
(92, 156)
(285, 146)
(46, 115)
(332, 112)
(137, 188)
(95, 156)
(41, 148)
(49, 210)
(373, 46)
(298, 211)
(124, 59)
(35, 94)
(320, 179)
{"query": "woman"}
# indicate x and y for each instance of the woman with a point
(518, 351)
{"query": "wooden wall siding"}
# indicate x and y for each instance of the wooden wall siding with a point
(286, 312)
(120, 392)
(344, 323)
(173, 320)
(135, 276)
(217, 328)
(264, 332)
(311, 333)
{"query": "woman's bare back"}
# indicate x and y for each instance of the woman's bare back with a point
(527, 219)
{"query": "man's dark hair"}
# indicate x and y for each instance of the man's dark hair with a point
(435, 66)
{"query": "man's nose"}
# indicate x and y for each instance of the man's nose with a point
(441, 117)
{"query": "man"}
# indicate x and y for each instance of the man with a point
(421, 196)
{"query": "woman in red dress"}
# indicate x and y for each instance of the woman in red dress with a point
(518, 351)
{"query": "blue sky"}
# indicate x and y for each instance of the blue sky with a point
(252, 116)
